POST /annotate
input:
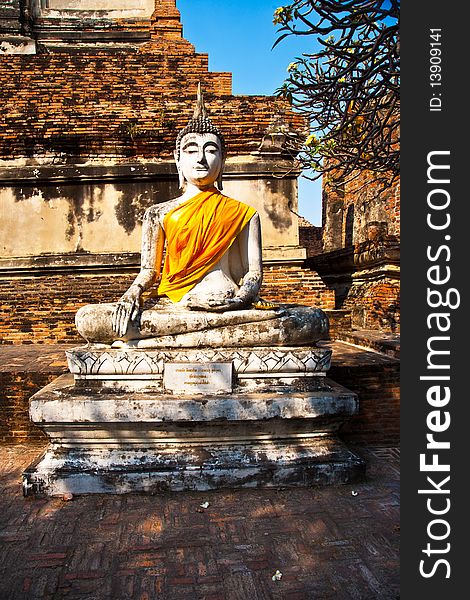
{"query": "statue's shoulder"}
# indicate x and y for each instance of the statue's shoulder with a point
(158, 211)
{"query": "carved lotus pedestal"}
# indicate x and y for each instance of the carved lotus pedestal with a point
(152, 420)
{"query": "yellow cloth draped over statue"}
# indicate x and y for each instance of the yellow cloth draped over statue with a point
(198, 233)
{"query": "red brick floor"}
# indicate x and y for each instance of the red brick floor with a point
(328, 543)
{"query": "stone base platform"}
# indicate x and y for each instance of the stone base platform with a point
(120, 441)
(178, 467)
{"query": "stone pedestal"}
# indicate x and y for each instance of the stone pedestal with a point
(248, 417)
(142, 369)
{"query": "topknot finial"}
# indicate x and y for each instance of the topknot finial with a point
(200, 111)
(199, 123)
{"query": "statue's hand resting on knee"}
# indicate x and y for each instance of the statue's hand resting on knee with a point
(127, 309)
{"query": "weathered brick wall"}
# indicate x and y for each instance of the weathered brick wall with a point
(359, 211)
(119, 101)
(120, 104)
(15, 390)
(296, 285)
(41, 310)
(362, 230)
(310, 237)
(340, 323)
(10, 11)
(378, 388)
(375, 305)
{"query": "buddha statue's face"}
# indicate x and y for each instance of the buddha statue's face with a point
(201, 159)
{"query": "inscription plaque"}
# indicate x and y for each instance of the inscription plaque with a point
(198, 378)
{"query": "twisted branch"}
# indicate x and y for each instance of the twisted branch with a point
(349, 87)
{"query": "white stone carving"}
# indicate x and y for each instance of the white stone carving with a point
(88, 361)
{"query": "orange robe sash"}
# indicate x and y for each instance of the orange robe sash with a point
(198, 233)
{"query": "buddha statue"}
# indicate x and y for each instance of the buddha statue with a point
(208, 287)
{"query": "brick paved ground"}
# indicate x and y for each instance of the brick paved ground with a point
(328, 543)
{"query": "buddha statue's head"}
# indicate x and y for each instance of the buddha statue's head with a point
(200, 150)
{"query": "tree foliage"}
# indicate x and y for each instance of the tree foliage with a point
(349, 87)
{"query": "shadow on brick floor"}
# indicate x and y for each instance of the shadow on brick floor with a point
(328, 542)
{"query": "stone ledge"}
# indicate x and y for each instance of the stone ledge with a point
(70, 262)
(61, 33)
(16, 44)
(117, 262)
(61, 403)
(112, 169)
(379, 341)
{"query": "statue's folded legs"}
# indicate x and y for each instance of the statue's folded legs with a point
(157, 328)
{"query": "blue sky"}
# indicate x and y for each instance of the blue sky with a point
(238, 36)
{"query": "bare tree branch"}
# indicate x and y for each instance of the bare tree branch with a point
(349, 87)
